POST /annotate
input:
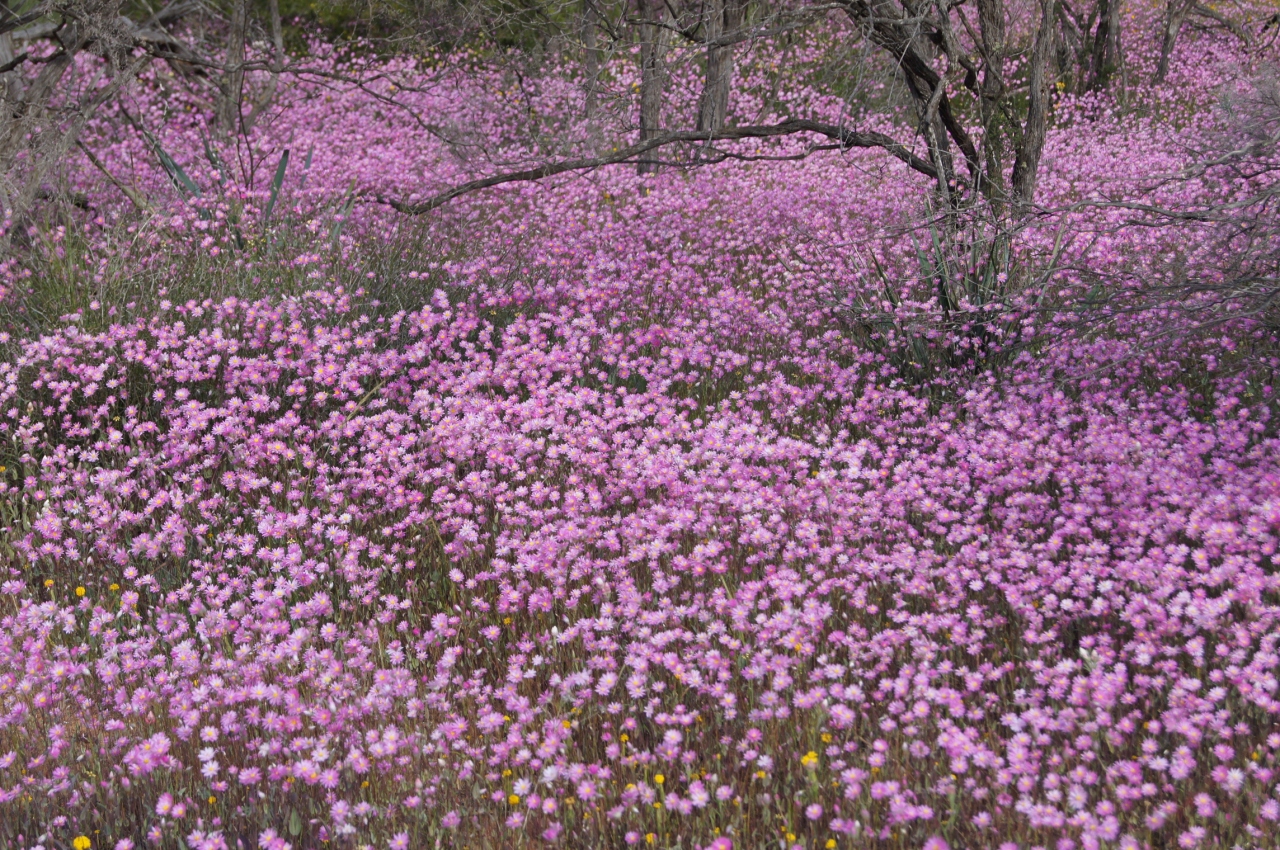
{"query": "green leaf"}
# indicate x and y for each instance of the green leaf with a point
(276, 183)
(215, 161)
(306, 168)
(295, 823)
(175, 172)
(346, 210)
(170, 166)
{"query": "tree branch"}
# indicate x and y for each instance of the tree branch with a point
(845, 137)
(13, 23)
(129, 192)
(1213, 15)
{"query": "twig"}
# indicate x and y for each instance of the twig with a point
(129, 192)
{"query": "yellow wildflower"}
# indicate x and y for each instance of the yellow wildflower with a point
(809, 759)
(81, 842)
(80, 591)
(513, 800)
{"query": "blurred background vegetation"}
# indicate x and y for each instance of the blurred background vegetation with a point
(443, 24)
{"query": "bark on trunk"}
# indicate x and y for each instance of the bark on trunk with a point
(268, 94)
(233, 81)
(1026, 165)
(1107, 58)
(655, 35)
(723, 19)
(10, 81)
(591, 56)
(991, 24)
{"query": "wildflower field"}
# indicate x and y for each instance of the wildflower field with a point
(671, 510)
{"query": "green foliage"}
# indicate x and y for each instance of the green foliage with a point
(526, 24)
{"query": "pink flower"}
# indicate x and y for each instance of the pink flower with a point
(1191, 838)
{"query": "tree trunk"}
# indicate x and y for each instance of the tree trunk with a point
(991, 25)
(723, 18)
(591, 56)
(1107, 57)
(1026, 165)
(268, 94)
(10, 81)
(233, 80)
(655, 36)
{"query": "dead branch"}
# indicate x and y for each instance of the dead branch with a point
(129, 192)
(845, 137)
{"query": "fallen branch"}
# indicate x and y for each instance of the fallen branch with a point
(129, 192)
(845, 138)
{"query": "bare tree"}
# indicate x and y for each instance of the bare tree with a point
(1107, 57)
(929, 47)
(1175, 15)
(591, 55)
(722, 24)
(1093, 35)
(1243, 231)
(654, 32)
(232, 84)
(41, 116)
(267, 96)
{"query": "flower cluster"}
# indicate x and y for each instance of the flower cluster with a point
(624, 533)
